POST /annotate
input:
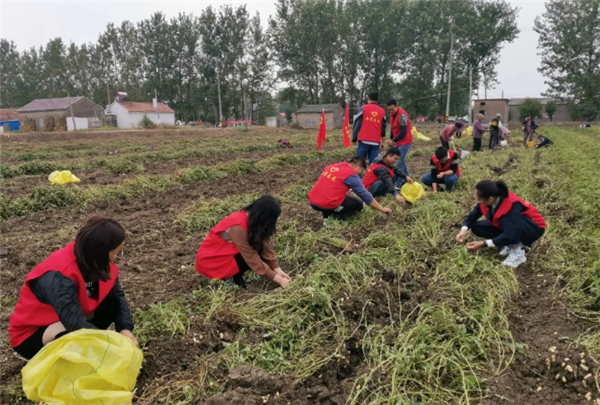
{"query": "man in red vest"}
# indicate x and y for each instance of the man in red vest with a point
(369, 129)
(329, 194)
(382, 174)
(444, 170)
(400, 136)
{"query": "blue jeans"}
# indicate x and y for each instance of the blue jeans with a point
(402, 163)
(449, 181)
(367, 152)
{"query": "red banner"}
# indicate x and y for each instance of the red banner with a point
(322, 132)
(346, 129)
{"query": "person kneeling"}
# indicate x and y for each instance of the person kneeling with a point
(509, 223)
(240, 242)
(329, 194)
(544, 142)
(444, 170)
(383, 174)
(76, 287)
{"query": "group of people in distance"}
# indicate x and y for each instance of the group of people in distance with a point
(78, 286)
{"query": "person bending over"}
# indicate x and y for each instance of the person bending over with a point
(444, 165)
(383, 174)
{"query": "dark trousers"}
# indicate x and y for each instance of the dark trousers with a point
(494, 139)
(378, 189)
(351, 206)
(104, 316)
(529, 231)
(445, 144)
(476, 144)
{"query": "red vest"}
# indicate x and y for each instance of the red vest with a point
(530, 211)
(408, 138)
(446, 165)
(372, 118)
(330, 191)
(30, 314)
(215, 258)
(371, 177)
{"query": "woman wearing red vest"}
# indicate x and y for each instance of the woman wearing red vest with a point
(240, 242)
(76, 287)
(509, 223)
(444, 170)
(369, 129)
(400, 136)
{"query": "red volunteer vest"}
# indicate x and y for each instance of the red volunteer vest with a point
(371, 177)
(30, 314)
(215, 258)
(530, 211)
(396, 128)
(446, 166)
(372, 118)
(330, 191)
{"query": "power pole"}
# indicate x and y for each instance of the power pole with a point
(470, 93)
(72, 115)
(485, 86)
(449, 76)
(156, 99)
(107, 95)
(219, 94)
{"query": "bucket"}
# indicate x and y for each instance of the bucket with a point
(503, 143)
(530, 144)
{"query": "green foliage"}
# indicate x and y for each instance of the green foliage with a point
(161, 319)
(530, 107)
(146, 122)
(551, 109)
(121, 166)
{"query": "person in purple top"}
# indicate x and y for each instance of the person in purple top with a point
(478, 130)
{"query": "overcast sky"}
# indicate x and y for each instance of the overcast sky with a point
(33, 23)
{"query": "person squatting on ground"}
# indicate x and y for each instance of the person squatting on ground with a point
(369, 129)
(509, 223)
(494, 133)
(76, 287)
(448, 132)
(544, 142)
(240, 243)
(529, 128)
(383, 174)
(329, 194)
(400, 136)
(444, 165)
(478, 130)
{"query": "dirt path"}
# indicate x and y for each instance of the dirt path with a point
(542, 323)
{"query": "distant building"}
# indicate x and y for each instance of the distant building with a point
(130, 113)
(490, 107)
(309, 116)
(11, 118)
(561, 114)
(59, 108)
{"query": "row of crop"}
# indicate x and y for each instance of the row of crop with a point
(47, 197)
(69, 150)
(130, 164)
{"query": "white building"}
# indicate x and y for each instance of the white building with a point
(130, 113)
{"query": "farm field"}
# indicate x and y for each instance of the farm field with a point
(382, 310)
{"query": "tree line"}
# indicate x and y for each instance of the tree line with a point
(311, 51)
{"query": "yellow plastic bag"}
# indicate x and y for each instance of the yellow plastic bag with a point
(84, 367)
(469, 131)
(62, 177)
(411, 192)
(416, 133)
(530, 144)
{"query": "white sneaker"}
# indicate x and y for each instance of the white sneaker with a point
(515, 258)
(505, 251)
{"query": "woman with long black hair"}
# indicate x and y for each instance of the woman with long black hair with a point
(240, 242)
(509, 223)
(76, 287)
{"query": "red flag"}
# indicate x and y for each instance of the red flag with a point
(322, 132)
(346, 129)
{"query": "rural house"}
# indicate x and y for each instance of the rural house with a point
(90, 113)
(490, 107)
(130, 113)
(9, 119)
(561, 114)
(309, 115)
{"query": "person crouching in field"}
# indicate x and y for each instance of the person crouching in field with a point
(76, 287)
(444, 170)
(544, 142)
(509, 223)
(240, 243)
(329, 194)
(448, 132)
(383, 174)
